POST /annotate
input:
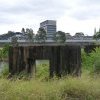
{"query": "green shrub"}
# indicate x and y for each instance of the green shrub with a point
(97, 65)
(89, 60)
(4, 52)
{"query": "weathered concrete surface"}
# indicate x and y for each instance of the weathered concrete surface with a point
(63, 59)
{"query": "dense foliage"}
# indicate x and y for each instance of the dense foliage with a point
(30, 34)
(60, 36)
(4, 52)
(41, 35)
(91, 61)
(96, 35)
(14, 41)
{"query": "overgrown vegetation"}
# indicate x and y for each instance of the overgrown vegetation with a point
(4, 52)
(67, 88)
(86, 87)
(60, 37)
(91, 61)
(4, 71)
(42, 69)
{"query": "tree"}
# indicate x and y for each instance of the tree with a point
(96, 35)
(60, 36)
(37, 38)
(94, 30)
(23, 30)
(41, 35)
(5, 51)
(10, 32)
(30, 34)
(14, 41)
(27, 30)
(79, 34)
(68, 36)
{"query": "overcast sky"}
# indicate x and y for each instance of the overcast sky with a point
(71, 15)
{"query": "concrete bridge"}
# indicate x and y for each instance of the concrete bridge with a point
(68, 42)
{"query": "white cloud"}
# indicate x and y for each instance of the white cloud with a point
(73, 25)
(72, 16)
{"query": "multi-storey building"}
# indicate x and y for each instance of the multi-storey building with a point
(50, 28)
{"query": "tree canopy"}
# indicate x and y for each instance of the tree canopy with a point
(30, 34)
(23, 30)
(41, 35)
(96, 35)
(14, 41)
(79, 34)
(60, 36)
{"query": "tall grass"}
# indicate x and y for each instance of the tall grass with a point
(67, 88)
